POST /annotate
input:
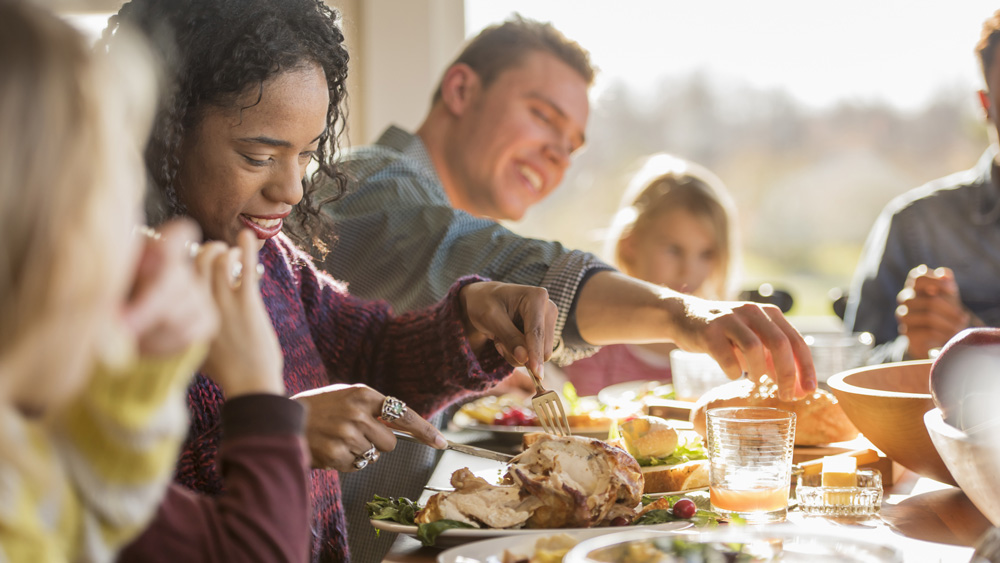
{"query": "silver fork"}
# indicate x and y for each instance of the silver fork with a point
(549, 409)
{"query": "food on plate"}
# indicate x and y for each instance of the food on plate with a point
(684, 508)
(648, 436)
(583, 413)
(819, 417)
(668, 549)
(839, 472)
(965, 378)
(557, 482)
(670, 460)
(548, 549)
(679, 477)
(505, 410)
(476, 502)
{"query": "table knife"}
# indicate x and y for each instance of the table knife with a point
(463, 448)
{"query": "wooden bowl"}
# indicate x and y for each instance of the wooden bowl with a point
(887, 403)
(974, 460)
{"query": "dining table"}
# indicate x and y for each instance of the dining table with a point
(926, 520)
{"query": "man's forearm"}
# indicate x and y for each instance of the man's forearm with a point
(615, 308)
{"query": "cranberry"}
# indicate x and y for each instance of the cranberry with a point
(684, 508)
(619, 521)
(514, 416)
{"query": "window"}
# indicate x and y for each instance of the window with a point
(814, 115)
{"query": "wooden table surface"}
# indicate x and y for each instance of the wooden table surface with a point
(927, 520)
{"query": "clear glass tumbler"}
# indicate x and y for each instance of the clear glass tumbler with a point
(694, 374)
(750, 461)
(833, 353)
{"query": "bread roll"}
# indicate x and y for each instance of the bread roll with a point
(818, 417)
(681, 477)
(648, 436)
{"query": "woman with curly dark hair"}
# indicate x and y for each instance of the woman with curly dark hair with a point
(254, 99)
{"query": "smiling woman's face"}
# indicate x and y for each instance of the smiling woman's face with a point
(242, 166)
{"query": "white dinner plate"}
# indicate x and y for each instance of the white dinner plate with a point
(675, 493)
(457, 536)
(626, 392)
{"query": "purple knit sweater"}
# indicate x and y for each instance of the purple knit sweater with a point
(328, 337)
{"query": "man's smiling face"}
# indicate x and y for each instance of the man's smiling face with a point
(515, 139)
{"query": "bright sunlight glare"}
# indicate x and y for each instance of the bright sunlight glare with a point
(894, 51)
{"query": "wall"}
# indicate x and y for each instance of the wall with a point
(399, 48)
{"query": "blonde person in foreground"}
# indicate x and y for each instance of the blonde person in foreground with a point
(101, 328)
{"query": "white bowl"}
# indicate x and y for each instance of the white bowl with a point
(973, 460)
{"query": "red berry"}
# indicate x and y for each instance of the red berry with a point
(619, 521)
(684, 508)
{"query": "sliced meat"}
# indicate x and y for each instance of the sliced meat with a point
(479, 503)
(578, 480)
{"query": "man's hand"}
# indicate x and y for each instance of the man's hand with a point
(930, 310)
(752, 338)
(758, 339)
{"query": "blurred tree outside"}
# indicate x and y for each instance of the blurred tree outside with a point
(808, 183)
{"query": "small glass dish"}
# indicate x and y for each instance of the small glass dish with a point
(863, 500)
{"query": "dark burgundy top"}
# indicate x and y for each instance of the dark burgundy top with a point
(328, 336)
(263, 516)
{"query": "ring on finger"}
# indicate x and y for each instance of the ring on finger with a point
(371, 454)
(392, 409)
(360, 463)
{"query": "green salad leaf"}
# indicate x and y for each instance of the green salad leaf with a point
(401, 510)
(571, 396)
(704, 516)
(429, 532)
(404, 511)
(687, 450)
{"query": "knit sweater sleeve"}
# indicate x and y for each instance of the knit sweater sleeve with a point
(114, 449)
(422, 357)
(264, 513)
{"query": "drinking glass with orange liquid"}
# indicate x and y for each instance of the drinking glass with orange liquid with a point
(750, 461)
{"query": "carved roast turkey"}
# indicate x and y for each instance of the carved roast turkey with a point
(557, 482)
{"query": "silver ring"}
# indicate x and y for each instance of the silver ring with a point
(236, 273)
(360, 463)
(392, 408)
(371, 455)
(193, 249)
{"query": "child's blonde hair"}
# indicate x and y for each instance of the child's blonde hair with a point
(70, 166)
(665, 182)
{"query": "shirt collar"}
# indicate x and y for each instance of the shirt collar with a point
(988, 209)
(412, 147)
(407, 143)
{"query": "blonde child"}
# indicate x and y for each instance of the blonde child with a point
(675, 228)
(101, 329)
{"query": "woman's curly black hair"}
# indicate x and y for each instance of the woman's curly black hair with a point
(213, 51)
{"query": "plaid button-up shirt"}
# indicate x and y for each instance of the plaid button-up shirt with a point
(399, 239)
